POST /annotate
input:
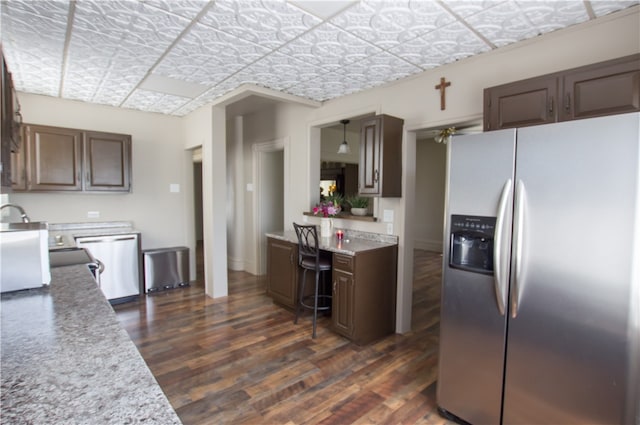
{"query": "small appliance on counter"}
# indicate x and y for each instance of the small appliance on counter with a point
(24, 258)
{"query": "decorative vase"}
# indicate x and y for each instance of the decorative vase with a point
(325, 227)
(358, 211)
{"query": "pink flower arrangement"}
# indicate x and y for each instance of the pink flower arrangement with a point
(327, 208)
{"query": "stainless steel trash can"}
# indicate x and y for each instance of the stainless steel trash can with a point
(165, 268)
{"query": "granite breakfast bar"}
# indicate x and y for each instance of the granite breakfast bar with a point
(65, 359)
(363, 280)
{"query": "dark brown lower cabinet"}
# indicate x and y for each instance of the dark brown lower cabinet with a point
(364, 294)
(282, 272)
(363, 306)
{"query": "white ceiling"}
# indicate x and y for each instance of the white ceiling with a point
(173, 56)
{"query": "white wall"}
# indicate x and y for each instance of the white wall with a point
(160, 144)
(416, 101)
(235, 194)
(158, 160)
(275, 123)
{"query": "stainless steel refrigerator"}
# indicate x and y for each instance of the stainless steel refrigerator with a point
(540, 314)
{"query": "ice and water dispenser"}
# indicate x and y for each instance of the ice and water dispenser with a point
(471, 243)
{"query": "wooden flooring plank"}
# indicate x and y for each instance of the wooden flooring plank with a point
(241, 360)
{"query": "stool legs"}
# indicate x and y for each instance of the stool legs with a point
(301, 305)
(315, 305)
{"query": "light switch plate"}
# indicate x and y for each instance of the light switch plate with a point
(249, 187)
(174, 188)
(389, 228)
(387, 216)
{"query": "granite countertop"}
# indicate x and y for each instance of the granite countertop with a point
(65, 359)
(352, 243)
(62, 235)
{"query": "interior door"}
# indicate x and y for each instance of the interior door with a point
(571, 336)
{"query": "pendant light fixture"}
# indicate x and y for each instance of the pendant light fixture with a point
(344, 147)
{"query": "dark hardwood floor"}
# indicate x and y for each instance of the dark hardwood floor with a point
(240, 359)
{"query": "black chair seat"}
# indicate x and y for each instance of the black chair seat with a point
(309, 258)
(323, 265)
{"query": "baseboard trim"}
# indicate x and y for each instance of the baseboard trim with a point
(235, 264)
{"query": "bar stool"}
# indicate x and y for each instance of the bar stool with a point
(309, 259)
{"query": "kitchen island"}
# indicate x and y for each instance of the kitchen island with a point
(352, 243)
(363, 280)
(65, 359)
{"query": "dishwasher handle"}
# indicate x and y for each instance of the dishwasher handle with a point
(96, 267)
(105, 239)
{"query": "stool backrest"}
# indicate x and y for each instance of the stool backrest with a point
(307, 242)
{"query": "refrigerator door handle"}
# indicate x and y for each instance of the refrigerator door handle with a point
(518, 242)
(498, 252)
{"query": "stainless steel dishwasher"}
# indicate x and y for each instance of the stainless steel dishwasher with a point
(120, 255)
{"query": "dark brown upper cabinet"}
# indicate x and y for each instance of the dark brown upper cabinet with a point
(520, 104)
(380, 167)
(10, 122)
(54, 158)
(604, 88)
(108, 161)
(18, 170)
(65, 159)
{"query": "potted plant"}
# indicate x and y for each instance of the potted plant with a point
(359, 205)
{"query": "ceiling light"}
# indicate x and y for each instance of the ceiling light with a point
(344, 147)
(444, 135)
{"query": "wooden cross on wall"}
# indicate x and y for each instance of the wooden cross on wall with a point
(442, 87)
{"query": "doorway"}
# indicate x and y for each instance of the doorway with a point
(428, 228)
(197, 211)
(431, 158)
(270, 192)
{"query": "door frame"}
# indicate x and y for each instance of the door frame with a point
(259, 152)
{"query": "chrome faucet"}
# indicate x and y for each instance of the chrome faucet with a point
(23, 214)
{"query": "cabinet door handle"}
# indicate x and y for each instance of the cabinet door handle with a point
(375, 176)
(551, 104)
(334, 286)
(567, 102)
